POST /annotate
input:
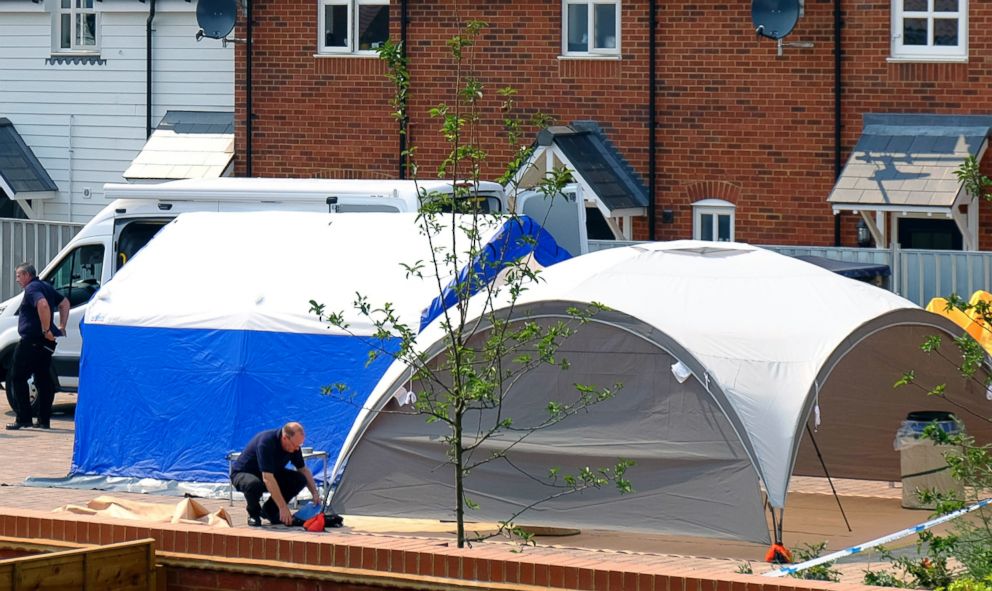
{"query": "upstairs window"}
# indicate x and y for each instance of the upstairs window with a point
(713, 219)
(930, 29)
(353, 26)
(591, 27)
(76, 26)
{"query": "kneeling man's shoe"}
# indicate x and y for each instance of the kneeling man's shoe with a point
(254, 522)
(16, 426)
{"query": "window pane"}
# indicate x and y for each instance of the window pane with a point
(336, 26)
(945, 5)
(724, 229)
(914, 31)
(84, 3)
(61, 276)
(706, 226)
(945, 32)
(373, 26)
(66, 3)
(88, 30)
(65, 32)
(915, 6)
(578, 27)
(606, 26)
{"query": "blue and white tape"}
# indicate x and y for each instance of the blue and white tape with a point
(792, 568)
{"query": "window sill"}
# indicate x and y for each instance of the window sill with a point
(590, 56)
(365, 55)
(75, 59)
(933, 59)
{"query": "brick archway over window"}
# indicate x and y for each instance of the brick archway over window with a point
(713, 190)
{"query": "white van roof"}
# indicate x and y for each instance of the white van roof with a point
(279, 189)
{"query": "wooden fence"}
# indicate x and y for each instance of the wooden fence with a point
(129, 566)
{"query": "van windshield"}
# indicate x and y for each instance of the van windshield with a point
(77, 276)
(468, 204)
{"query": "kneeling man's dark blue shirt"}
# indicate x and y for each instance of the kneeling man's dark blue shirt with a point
(264, 453)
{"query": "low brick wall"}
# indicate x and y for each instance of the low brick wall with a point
(200, 559)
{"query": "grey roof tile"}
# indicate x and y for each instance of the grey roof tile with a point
(20, 169)
(186, 144)
(916, 166)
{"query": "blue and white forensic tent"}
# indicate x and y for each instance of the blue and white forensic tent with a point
(725, 353)
(207, 336)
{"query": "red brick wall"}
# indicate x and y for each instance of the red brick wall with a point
(730, 112)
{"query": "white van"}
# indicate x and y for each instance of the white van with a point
(114, 235)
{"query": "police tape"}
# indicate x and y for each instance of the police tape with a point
(792, 568)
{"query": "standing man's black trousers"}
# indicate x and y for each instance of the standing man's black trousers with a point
(33, 357)
(291, 482)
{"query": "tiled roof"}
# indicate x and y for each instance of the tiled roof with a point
(20, 171)
(186, 145)
(599, 163)
(909, 160)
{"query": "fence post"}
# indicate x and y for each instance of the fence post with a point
(897, 278)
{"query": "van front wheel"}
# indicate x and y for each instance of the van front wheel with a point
(32, 395)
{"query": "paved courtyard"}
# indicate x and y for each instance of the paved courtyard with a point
(812, 514)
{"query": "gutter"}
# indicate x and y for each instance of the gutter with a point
(148, 68)
(652, 119)
(249, 115)
(838, 125)
(404, 16)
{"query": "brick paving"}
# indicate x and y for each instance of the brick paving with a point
(811, 516)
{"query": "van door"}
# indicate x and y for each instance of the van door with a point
(564, 217)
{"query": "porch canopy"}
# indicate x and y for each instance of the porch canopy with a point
(22, 177)
(186, 145)
(604, 178)
(723, 351)
(905, 163)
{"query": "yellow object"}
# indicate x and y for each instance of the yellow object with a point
(976, 327)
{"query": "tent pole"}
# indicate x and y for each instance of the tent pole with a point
(832, 489)
(780, 526)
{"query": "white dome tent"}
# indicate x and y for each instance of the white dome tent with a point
(761, 336)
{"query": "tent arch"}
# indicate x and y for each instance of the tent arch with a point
(386, 447)
(904, 317)
(547, 309)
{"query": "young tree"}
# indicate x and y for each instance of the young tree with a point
(970, 541)
(486, 348)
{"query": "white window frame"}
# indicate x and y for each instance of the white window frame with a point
(351, 47)
(715, 208)
(73, 11)
(929, 52)
(590, 33)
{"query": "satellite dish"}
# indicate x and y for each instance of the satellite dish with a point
(773, 18)
(216, 17)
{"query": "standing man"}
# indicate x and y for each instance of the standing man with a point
(33, 354)
(262, 467)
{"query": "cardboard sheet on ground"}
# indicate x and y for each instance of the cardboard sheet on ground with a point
(186, 511)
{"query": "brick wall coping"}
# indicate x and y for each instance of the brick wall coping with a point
(395, 561)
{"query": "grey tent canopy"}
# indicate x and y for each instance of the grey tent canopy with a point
(723, 351)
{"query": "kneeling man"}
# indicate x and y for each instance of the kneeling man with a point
(262, 467)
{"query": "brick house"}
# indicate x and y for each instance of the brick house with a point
(747, 145)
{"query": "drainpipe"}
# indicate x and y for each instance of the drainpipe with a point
(404, 123)
(652, 122)
(148, 68)
(838, 165)
(249, 114)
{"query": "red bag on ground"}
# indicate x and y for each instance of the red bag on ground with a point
(315, 523)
